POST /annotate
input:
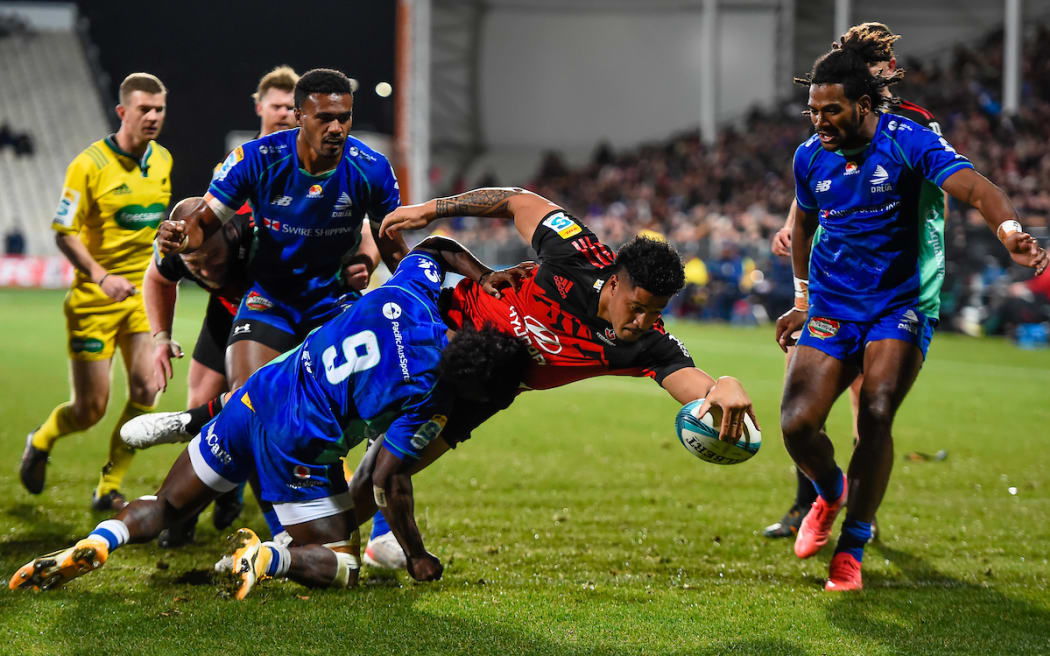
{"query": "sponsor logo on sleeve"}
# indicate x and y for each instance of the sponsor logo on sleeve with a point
(67, 207)
(257, 302)
(426, 433)
(235, 156)
(563, 225)
(391, 310)
(822, 327)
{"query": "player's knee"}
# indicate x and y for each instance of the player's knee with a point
(88, 411)
(796, 424)
(142, 389)
(875, 415)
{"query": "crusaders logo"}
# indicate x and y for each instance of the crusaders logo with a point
(822, 328)
(563, 285)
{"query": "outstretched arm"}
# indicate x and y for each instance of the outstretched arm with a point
(524, 207)
(972, 188)
(801, 237)
(689, 383)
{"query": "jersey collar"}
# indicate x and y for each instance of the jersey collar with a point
(143, 163)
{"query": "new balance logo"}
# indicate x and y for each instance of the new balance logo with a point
(822, 186)
(281, 201)
(343, 207)
(563, 285)
(880, 175)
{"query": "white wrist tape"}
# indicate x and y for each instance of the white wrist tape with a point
(1006, 227)
(801, 287)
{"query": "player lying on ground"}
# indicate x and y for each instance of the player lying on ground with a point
(873, 283)
(583, 312)
(220, 267)
(384, 365)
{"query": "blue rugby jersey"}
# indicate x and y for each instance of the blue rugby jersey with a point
(881, 240)
(304, 223)
(371, 369)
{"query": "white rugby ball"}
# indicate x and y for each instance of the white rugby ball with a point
(699, 435)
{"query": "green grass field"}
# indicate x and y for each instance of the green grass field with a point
(574, 523)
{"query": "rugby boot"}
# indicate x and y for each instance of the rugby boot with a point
(250, 561)
(156, 428)
(33, 467)
(815, 528)
(788, 525)
(385, 552)
(844, 573)
(112, 500)
(54, 569)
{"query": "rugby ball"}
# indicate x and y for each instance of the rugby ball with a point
(699, 435)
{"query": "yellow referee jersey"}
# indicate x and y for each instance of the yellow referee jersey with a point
(114, 202)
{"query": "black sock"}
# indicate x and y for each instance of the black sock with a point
(805, 493)
(202, 414)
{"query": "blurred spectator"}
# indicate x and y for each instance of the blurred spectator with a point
(14, 242)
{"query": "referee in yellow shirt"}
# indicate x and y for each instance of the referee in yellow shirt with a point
(116, 192)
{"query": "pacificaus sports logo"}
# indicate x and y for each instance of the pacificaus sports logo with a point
(822, 327)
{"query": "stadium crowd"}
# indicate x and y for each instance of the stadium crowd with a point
(720, 204)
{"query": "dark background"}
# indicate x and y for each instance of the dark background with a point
(210, 55)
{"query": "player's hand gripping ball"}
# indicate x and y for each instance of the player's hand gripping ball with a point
(699, 435)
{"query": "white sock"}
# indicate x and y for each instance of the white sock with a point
(114, 532)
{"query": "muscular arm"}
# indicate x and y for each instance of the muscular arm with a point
(802, 235)
(972, 188)
(391, 248)
(194, 222)
(159, 295)
(392, 483)
(524, 207)
(689, 383)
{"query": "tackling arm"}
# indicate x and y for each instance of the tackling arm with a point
(524, 207)
(972, 188)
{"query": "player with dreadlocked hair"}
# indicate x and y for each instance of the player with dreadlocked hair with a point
(868, 291)
(874, 43)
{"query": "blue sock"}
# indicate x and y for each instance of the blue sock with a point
(272, 522)
(379, 525)
(855, 534)
(240, 491)
(113, 531)
(830, 487)
(280, 559)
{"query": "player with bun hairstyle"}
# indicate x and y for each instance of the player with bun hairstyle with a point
(868, 289)
(874, 43)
